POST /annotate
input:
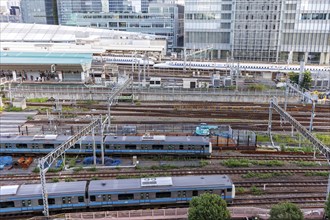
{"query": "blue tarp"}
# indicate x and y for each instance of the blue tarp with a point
(58, 163)
(6, 160)
(107, 161)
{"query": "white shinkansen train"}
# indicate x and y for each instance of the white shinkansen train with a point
(242, 66)
(123, 60)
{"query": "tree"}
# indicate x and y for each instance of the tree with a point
(327, 207)
(306, 82)
(208, 207)
(286, 211)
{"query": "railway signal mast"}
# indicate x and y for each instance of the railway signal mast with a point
(301, 129)
(49, 159)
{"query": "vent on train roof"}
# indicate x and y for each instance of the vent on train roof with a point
(159, 181)
(44, 137)
(153, 137)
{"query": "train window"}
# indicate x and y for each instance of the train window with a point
(98, 146)
(183, 193)
(47, 146)
(130, 146)
(179, 193)
(107, 146)
(142, 195)
(80, 199)
(211, 191)
(29, 202)
(181, 147)
(40, 202)
(104, 197)
(7, 204)
(21, 145)
(51, 201)
(69, 200)
(7, 146)
(109, 197)
(147, 195)
(126, 196)
(229, 189)
(77, 146)
(195, 193)
(92, 198)
(157, 147)
(23, 203)
(163, 194)
(63, 200)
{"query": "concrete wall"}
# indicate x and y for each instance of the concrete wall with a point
(165, 96)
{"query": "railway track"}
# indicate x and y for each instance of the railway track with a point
(270, 157)
(243, 125)
(146, 173)
(275, 200)
(249, 116)
(293, 184)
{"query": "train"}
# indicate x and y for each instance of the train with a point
(64, 196)
(114, 145)
(254, 67)
(124, 60)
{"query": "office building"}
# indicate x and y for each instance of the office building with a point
(39, 11)
(162, 19)
(260, 30)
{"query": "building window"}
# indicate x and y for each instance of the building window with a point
(113, 24)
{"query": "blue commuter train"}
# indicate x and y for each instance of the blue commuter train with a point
(113, 193)
(114, 145)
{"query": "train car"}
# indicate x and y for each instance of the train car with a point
(27, 198)
(17, 199)
(123, 60)
(174, 145)
(158, 190)
(31, 144)
(118, 145)
(242, 66)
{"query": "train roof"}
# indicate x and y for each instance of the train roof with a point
(157, 139)
(53, 189)
(145, 184)
(89, 139)
(34, 139)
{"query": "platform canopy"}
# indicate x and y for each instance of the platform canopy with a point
(42, 61)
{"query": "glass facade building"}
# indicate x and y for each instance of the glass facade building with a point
(122, 6)
(260, 30)
(39, 11)
(208, 23)
(162, 19)
(68, 8)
